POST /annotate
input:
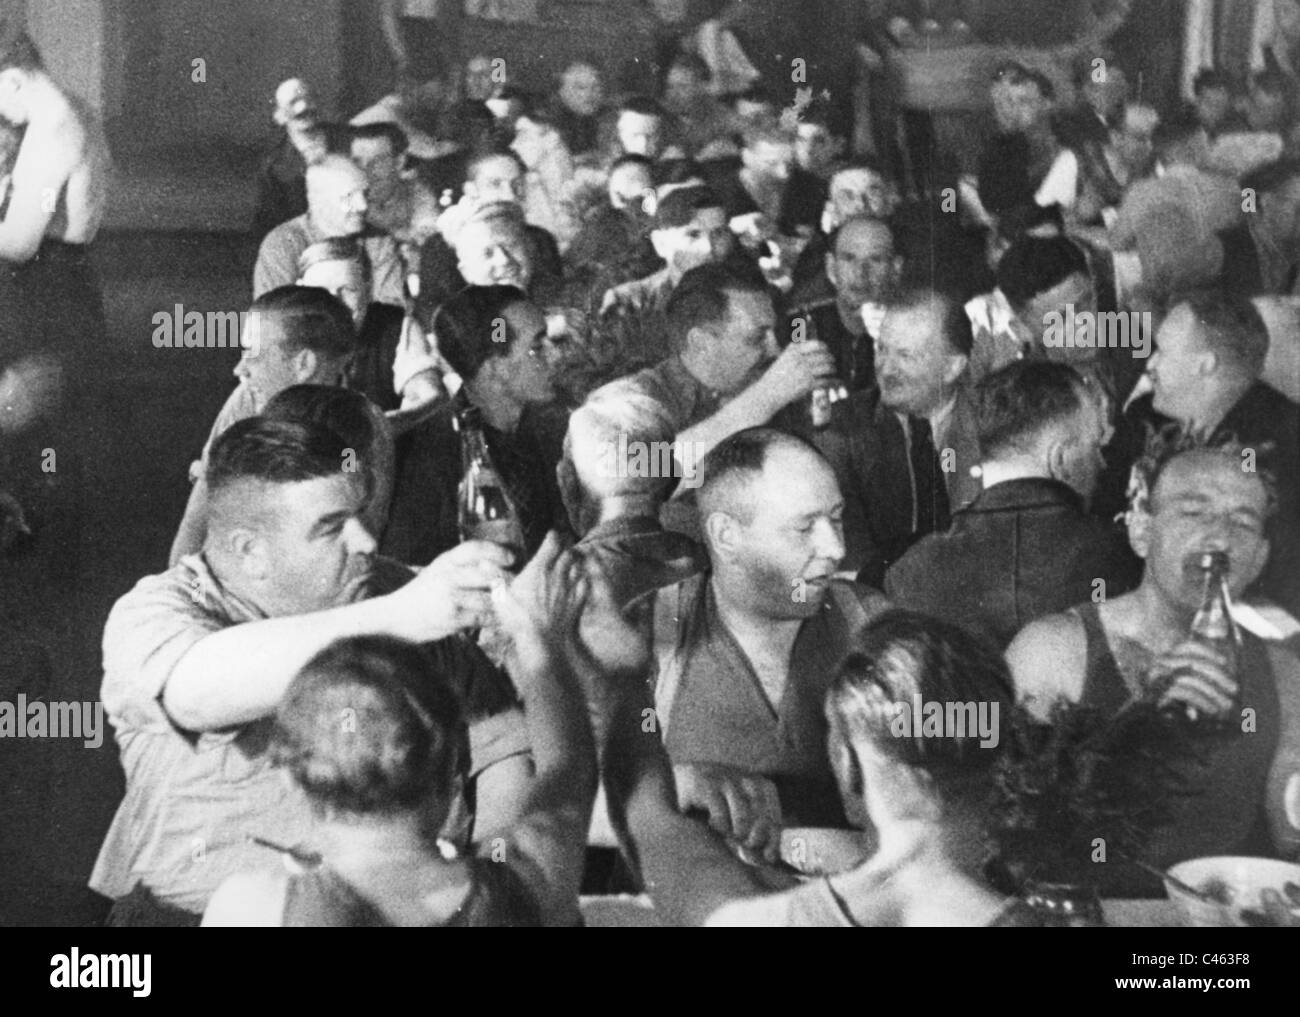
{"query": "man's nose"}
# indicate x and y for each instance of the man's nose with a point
(358, 539)
(241, 368)
(829, 541)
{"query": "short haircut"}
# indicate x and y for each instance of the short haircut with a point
(1033, 265)
(467, 329)
(1174, 440)
(833, 240)
(1022, 402)
(632, 159)
(615, 412)
(273, 452)
(954, 323)
(370, 726)
(334, 249)
(767, 129)
(738, 459)
(16, 47)
(504, 211)
(1231, 326)
(678, 207)
(487, 154)
(1208, 78)
(703, 297)
(642, 105)
(390, 132)
(902, 656)
(311, 318)
(344, 411)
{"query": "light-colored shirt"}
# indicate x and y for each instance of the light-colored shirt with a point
(277, 260)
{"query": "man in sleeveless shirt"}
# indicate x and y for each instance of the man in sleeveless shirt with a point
(1188, 499)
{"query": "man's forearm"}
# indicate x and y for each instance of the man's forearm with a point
(240, 674)
(751, 408)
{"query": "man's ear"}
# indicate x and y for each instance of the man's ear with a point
(470, 190)
(1207, 363)
(723, 532)
(249, 550)
(830, 269)
(305, 364)
(696, 338)
(662, 244)
(1057, 455)
(1138, 523)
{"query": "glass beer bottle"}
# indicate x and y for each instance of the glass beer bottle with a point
(485, 510)
(1213, 626)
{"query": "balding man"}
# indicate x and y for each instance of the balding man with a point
(747, 650)
(281, 179)
(905, 450)
(336, 207)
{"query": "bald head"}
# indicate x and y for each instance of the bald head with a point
(336, 196)
(736, 471)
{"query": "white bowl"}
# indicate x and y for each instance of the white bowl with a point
(1245, 880)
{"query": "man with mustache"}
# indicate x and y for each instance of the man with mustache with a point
(747, 650)
(197, 659)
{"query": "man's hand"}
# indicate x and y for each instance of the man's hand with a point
(534, 611)
(743, 807)
(800, 368)
(453, 593)
(1196, 676)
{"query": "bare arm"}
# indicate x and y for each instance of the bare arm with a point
(240, 674)
(45, 162)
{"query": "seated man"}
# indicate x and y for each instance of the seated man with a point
(495, 339)
(857, 189)
(747, 651)
(615, 236)
(904, 451)
(864, 273)
(336, 207)
(1025, 547)
(704, 125)
(398, 202)
(492, 176)
(768, 184)
(576, 107)
(293, 335)
(728, 373)
(618, 470)
(1188, 499)
(281, 179)
(690, 229)
(640, 127)
(197, 659)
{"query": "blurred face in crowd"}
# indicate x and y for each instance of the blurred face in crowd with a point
(1017, 106)
(581, 90)
(916, 369)
(311, 550)
(294, 104)
(337, 197)
(683, 89)
(269, 364)
(1203, 501)
(1212, 106)
(629, 185)
(705, 239)
(860, 192)
(494, 252)
(381, 165)
(739, 347)
(1179, 366)
(1070, 297)
(816, 148)
(345, 278)
(768, 161)
(1106, 96)
(497, 179)
(1132, 141)
(640, 134)
(784, 541)
(526, 369)
(479, 84)
(863, 267)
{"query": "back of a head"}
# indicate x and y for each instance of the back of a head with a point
(1230, 325)
(381, 130)
(505, 213)
(369, 728)
(618, 416)
(310, 318)
(326, 172)
(471, 327)
(344, 411)
(678, 207)
(1033, 265)
(952, 319)
(347, 249)
(702, 297)
(16, 47)
(734, 463)
(1022, 405)
(902, 656)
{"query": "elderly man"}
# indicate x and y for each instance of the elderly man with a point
(690, 229)
(1026, 546)
(864, 272)
(281, 179)
(859, 188)
(336, 207)
(495, 339)
(1187, 501)
(295, 335)
(287, 567)
(747, 651)
(905, 450)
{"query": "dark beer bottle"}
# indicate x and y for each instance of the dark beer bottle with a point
(825, 395)
(485, 510)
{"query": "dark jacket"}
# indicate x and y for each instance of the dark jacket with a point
(1023, 549)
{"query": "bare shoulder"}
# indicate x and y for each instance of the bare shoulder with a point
(248, 899)
(1047, 661)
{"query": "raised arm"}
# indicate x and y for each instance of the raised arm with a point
(45, 161)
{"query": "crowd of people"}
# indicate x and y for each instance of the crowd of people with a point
(785, 441)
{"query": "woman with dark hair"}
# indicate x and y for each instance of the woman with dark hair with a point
(372, 734)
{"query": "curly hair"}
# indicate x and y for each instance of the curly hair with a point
(368, 727)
